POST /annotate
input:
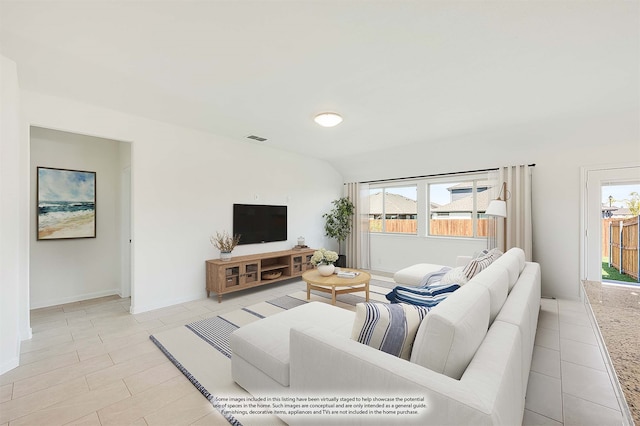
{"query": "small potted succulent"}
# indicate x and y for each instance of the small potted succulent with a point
(225, 243)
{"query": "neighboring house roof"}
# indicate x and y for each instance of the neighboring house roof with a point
(395, 204)
(617, 211)
(399, 204)
(465, 204)
(622, 212)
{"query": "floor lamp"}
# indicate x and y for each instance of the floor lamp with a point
(498, 208)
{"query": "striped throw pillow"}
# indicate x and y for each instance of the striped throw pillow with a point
(427, 297)
(390, 328)
(481, 262)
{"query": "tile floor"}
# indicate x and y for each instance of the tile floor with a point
(92, 363)
(570, 381)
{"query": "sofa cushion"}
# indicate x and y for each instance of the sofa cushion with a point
(521, 309)
(390, 328)
(412, 275)
(496, 280)
(449, 336)
(494, 374)
(265, 343)
(513, 261)
(428, 297)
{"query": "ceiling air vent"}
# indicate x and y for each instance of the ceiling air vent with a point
(257, 138)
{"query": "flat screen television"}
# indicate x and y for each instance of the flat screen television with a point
(259, 223)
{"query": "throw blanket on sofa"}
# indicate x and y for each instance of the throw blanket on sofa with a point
(433, 277)
(428, 297)
(428, 294)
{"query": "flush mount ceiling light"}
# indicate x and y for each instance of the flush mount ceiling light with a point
(328, 119)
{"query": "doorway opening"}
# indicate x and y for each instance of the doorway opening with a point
(73, 269)
(615, 304)
(620, 238)
(599, 183)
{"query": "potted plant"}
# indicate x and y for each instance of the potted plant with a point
(338, 224)
(225, 243)
(324, 260)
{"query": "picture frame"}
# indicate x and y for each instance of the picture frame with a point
(66, 204)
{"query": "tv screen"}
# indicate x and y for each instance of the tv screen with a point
(258, 223)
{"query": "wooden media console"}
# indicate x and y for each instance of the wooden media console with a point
(254, 270)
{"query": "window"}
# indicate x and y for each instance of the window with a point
(393, 209)
(456, 208)
(443, 206)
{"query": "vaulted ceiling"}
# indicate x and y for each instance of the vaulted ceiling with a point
(399, 72)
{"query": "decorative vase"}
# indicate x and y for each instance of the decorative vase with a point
(326, 270)
(225, 255)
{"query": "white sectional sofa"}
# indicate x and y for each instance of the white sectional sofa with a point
(470, 360)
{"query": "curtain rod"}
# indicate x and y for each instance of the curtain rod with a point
(436, 175)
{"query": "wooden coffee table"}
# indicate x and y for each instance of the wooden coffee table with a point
(336, 285)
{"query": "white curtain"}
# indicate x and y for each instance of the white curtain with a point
(518, 221)
(357, 244)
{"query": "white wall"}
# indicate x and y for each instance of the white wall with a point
(390, 253)
(63, 271)
(14, 324)
(558, 147)
(184, 183)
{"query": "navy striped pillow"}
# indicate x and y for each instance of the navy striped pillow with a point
(389, 328)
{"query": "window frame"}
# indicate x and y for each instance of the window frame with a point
(424, 212)
(383, 188)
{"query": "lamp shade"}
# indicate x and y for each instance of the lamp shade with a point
(497, 208)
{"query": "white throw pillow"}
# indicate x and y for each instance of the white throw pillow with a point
(390, 328)
(455, 276)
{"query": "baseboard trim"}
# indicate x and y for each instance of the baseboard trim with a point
(145, 308)
(9, 364)
(26, 336)
(74, 298)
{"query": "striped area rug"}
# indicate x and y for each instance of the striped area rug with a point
(200, 350)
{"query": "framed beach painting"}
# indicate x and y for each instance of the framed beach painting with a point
(66, 204)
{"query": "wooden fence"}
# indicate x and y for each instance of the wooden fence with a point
(401, 226)
(605, 235)
(450, 227)
(623, 246)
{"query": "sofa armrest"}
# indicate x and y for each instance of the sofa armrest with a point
(325, 364)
